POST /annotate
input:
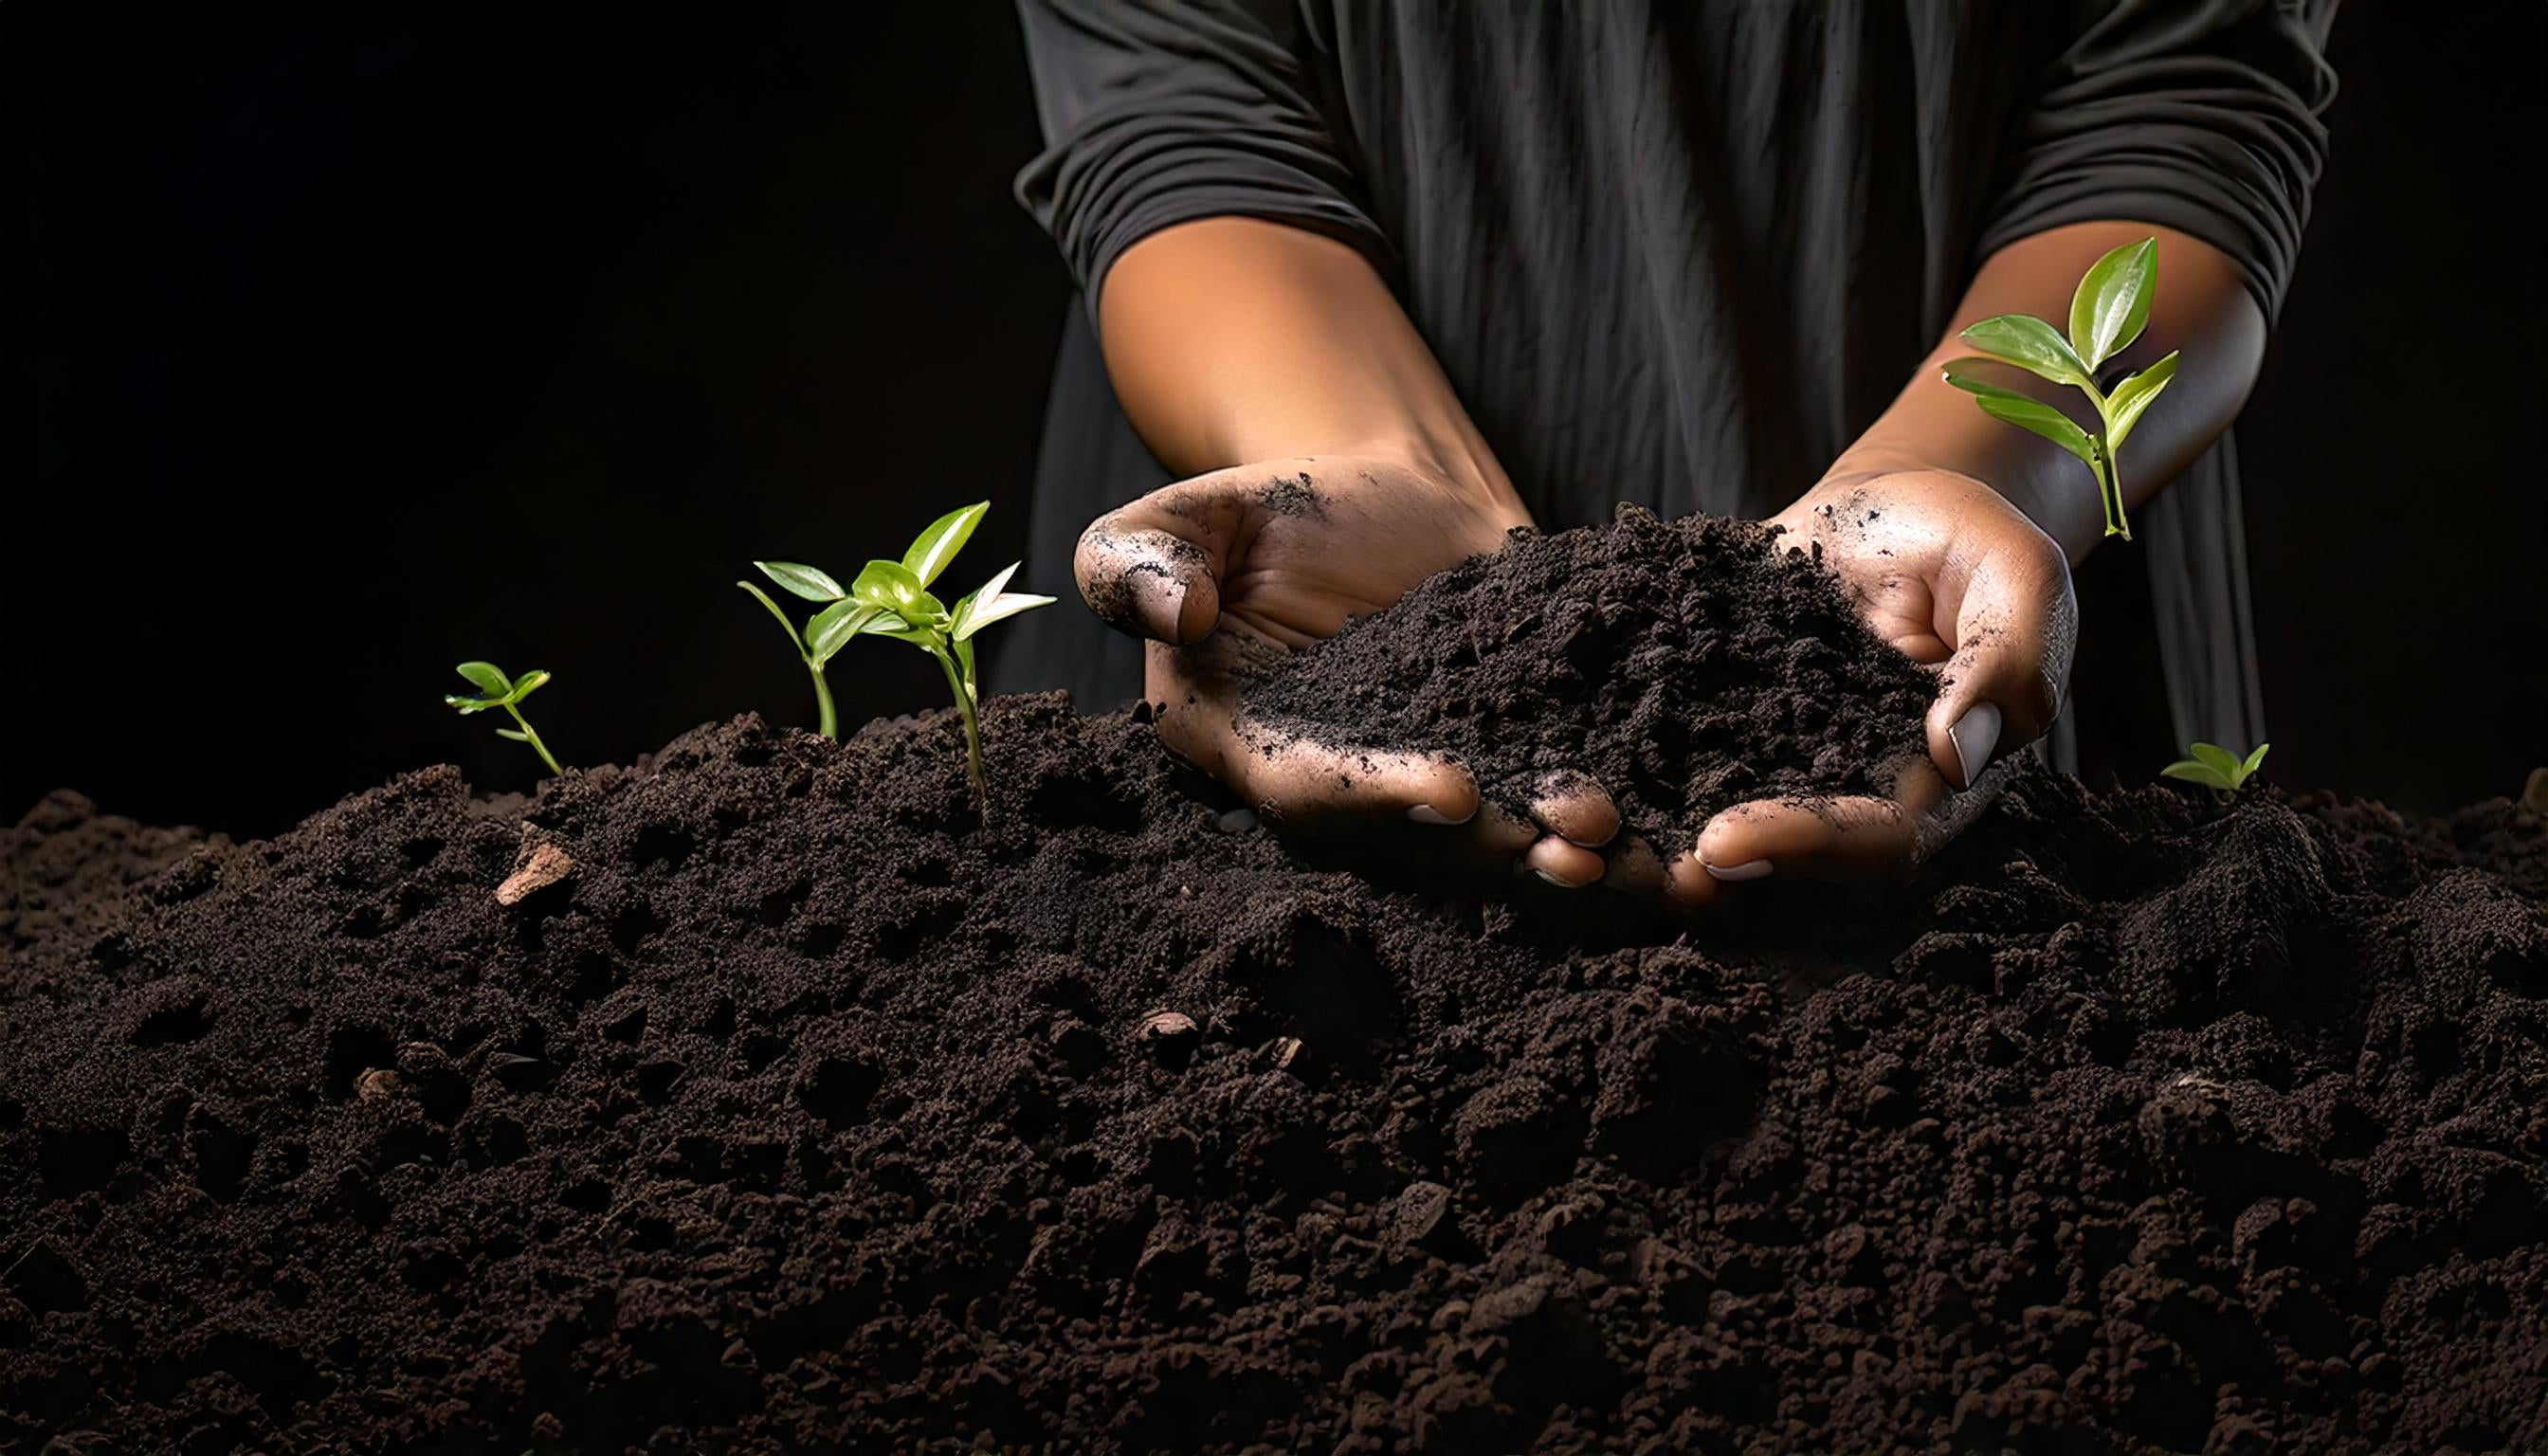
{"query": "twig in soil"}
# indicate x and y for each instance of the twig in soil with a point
(891, 599)
(506, 694)
(2108, 312)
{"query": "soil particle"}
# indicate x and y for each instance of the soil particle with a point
(1686, 666)
(811, 1113)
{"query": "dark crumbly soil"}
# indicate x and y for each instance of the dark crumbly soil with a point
(1685, 664)
(801, 1117)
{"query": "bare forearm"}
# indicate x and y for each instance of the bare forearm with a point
(1232, 341)
(2199, 308)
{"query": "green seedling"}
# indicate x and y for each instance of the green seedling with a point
(2107, 313)
(891, 598)
(2217, 768)
(506, 694)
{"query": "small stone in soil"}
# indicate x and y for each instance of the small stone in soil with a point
(1170, 1035)
(538, 865)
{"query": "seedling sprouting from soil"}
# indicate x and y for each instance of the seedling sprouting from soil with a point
(506, 694)
(2217, 768)
(2107, 313)
(891, 598)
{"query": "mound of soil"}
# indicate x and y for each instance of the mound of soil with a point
(1687, 665)
(754, 1098)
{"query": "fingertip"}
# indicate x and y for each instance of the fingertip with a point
(1750, 841)
(1689, 883)
(1972, 741)
(1575, 808)
(1633, 865)
(1146, 581)
(1197, 610)
(1565, 866)
(1442, 793)
(1308, 781)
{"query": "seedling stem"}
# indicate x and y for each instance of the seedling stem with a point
(501, 691)
(891, 599)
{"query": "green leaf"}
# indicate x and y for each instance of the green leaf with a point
(889, 625)
(891, 586)
(526, 684)
(834, 626)
(2133, 395)
(998, 609)
(807, 581)
(2113, 303)
(514, 734)
(2218, 759)
(2030, 345)
(468, 706)
(2026, 412)
(2253, 761)
(933, 548)
(489, 677)
(999, 581)
(2194, 772)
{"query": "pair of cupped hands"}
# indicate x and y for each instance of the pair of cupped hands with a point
(1226, 573)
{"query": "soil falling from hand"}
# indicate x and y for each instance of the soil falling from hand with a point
(804, 1116)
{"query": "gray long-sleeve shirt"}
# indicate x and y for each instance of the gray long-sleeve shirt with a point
(1677, 254)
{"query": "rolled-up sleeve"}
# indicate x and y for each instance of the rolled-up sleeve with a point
(1155, 115)
(2200, 116)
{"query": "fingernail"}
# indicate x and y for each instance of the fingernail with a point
(1427, 814)
(1748, 869)
(1564, 884)
(1975, 735)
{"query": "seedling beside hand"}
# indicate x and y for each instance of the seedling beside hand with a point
(2217, 767)
(506, 694)
(891, 598)
(2107, 313)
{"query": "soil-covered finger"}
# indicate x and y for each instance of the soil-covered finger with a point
(1303, 783)
(1146, 581)
(1864, 837)
(1575, 807)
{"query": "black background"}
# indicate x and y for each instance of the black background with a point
(339, 355)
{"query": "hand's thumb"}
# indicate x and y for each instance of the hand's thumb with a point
(1151, 572)
(1995, 696)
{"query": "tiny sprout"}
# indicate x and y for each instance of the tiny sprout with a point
(2217, 767)
(891, 599)
(506, 694)
(2107, 313)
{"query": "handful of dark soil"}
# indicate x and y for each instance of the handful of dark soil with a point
(1687, 665)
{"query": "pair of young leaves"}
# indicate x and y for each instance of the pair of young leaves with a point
(891, 599)
(501, 692)
(507, 693)
(2215, 766)
(2108, 312)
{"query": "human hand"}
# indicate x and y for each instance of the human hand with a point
(1949, 570)
(1228, 571)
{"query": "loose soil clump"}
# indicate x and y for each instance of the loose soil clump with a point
(785, 1108)
(1687, 666)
